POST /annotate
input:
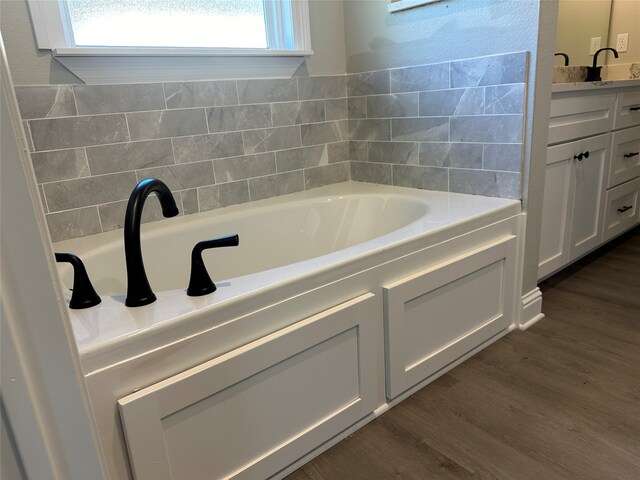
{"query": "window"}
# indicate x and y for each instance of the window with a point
(162, 23)
(171, 28)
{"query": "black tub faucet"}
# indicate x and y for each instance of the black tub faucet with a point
(593, 72)
(200, 282)
(566, 58)
(84, 295)
(138, 289)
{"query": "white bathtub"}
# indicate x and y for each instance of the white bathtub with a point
(283, 240)
(366, 291)
(272, 234)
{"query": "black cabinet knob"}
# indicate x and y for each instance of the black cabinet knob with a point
(630, 155)
(625, 208)
(582, 155)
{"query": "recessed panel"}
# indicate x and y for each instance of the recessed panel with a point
(242, 423)
(438, 318)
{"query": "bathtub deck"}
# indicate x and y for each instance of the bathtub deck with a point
(559, 401)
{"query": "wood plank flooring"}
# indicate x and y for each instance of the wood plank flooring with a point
(558, 401)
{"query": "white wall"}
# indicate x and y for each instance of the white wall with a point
(30, 66)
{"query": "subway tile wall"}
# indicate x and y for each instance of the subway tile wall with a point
(214, 144)
(453, 126)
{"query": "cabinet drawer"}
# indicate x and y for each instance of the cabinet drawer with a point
(622, 208)
(437, 315)
(625, 156)
(576, 117)
(627, 110)
(255, 410)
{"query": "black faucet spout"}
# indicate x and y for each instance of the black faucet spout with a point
(139, 291)
(593, 72)
(566, 58)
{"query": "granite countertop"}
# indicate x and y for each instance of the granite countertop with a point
(605, 84)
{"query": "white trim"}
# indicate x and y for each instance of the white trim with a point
(531, 309)
(407, 4)
(48, 24)
(131, 69)
(174, 52)
(274, 29)
(45, 397)
(53, 31)
(301, 25)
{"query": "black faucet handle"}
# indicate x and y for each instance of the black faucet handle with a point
(84, 295)
(200, 282)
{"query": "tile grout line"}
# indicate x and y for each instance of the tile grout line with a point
(99, 218)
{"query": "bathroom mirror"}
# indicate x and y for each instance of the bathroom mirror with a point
(578, 22)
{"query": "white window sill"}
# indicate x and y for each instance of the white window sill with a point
(175, 52)
(142, 65)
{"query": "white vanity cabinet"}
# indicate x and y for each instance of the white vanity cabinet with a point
(573, 201)
(591, 168)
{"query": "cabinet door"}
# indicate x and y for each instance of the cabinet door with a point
(253, 411)
(572, 209)
(435, 316)
(554, 235)
(588, 197)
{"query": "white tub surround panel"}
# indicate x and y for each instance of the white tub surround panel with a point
(178, 338)
(294, 389)
(429, 325)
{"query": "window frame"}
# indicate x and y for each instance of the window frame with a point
(53, 32)
(96, 64)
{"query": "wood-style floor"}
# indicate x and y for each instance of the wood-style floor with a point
(558, 401)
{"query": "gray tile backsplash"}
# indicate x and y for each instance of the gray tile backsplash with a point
(123, 157)
(46, 101)
(205, 147)
(94, 99)
(68, 132)
(60, 165)
(453, 126)
(167, 123)
(241, 117)
(201, 94)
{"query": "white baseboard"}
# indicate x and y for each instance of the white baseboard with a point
(531, 309)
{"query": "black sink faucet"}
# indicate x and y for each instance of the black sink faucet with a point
(593, 72)
(566, 58)
(138, 290)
